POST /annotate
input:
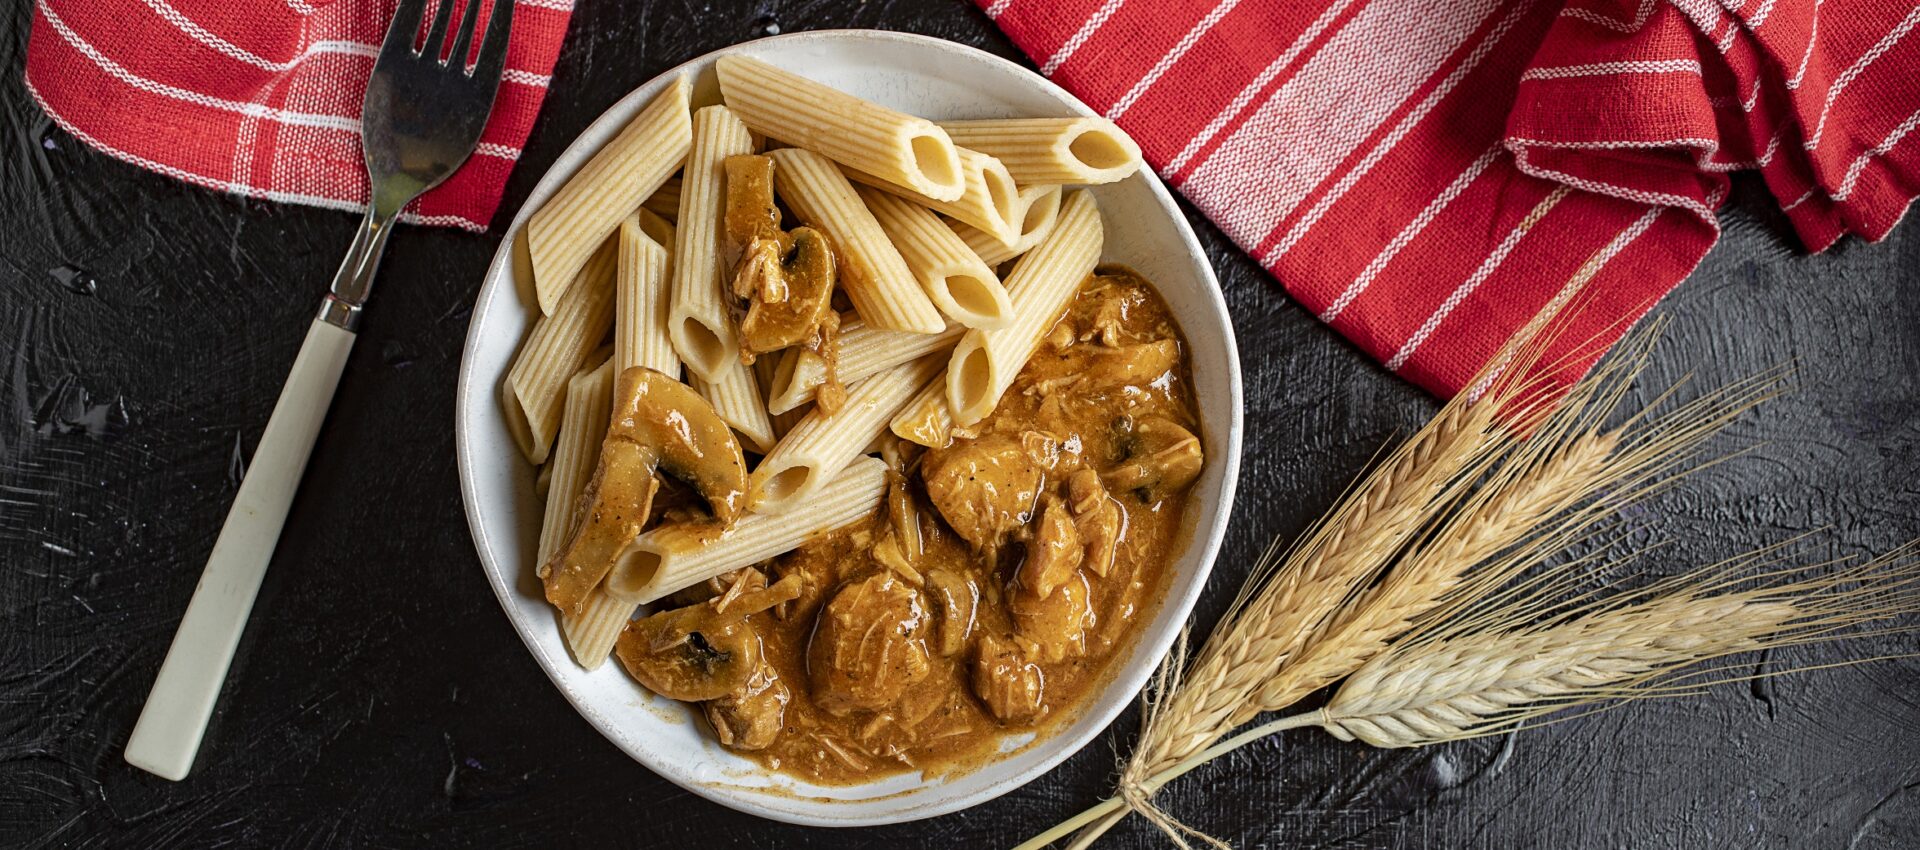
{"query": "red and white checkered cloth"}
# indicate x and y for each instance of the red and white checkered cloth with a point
(1427, 174)
(262, 97)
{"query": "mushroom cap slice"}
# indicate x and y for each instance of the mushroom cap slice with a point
(1162, 458)
(659, 425)
(792, 291)
(687, 654)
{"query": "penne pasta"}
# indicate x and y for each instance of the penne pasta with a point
(820, 446)
(665, 201)
(567, 229)
(953, 276)
(765, 371)
(672, 557)
(592, 632)
(863, 352)
(990, 203)
(872, 272)
(984, 363)
(907, 151)
(558, 347)
(1052, 150)
(701, 322)
(736, 397)
(589, 406)
(640, 302)
(925, 419)
(1039, 210)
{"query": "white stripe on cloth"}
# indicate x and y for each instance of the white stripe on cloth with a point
(1317, 118)
(301, 6)
(1487, 267)
(1080, 36)
(1159, 69)
(1859, 67)
(1614, 190)
(1860, 164)
(1246, 95)
(1813, 38)
(1605, 69)
(998, 8)
(1575, 282)
(1352, 177)
(1407, 234)
(1592, 17)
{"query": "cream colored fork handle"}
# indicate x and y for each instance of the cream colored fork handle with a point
(168, 733)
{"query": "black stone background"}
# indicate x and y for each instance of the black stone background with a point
(380, 698)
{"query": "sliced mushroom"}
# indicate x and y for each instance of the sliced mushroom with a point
(868, 645)
(659, 425)
(750, 716)
(750, 215)
(702, 651)
(789, 291)
(1012, 686)
(1098, 518)
(1162, 458)
(1054, 554)
(955, 600)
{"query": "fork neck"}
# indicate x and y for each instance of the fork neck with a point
(354, 281)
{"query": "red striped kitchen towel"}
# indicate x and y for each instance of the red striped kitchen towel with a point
(1427, 174)
(262, 97)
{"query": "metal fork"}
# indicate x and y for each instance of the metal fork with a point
(421, 119)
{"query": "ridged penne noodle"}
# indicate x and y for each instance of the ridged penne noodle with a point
(990, 203)
(672, 557)
(640, 302)
(665, 201)
(953, 276)
(863, 351)
(984, 363)
(1051, 150)
(589, 406)
(905, 150)
(592, 632)
(872, 273)
(736, 397)
(1039, 210)
(820, 446)
(925, 419)
(557, 348)
(567, 229)
(766, 371)
(701, 323)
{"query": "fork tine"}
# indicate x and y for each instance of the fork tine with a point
(457, 58)
(493, 51)
(442, 14)
(406, 22)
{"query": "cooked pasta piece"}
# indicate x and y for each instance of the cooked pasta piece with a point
(672, 557)
(765, 371)
(872, 273)
(863, 351)
(905, 150)
(589, 405)
(701, 322)
(1052, 150)
(984, 363)
(736, 397)
(640, 302)
(660, 231)
(592, 632)
(1039, 209)
(665, 201)
(925, 419)
(567, 229)
(821, 445)
(557, 348)
(990, 203)
(960, 284)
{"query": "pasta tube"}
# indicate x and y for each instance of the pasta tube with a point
(1052, 150)
(592, 632)
(953, 276)
(701, 323)
(1039, 210)
(557, 348)
(910, 152)
(589, 407)
(567, 229)
(665, 201)
(990, 203)
(984, 363)
(872, 272)
(765, 372)
(820, 446)
(925, 419)
(863, 351)
(672, 557)
(640, 303)
(736, 397)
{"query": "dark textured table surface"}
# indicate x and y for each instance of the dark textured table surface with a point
(381, 699)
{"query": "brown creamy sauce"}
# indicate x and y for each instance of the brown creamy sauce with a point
(1076, 486)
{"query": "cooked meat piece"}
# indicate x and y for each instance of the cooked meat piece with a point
(1162, 458)
(985, 488)
(1013, 687)
(1132, 365)
(1057, 624)
(1098, 518)
(1054, 554)
(750, 717)
(868, 646)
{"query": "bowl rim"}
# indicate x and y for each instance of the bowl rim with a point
(1064, 743)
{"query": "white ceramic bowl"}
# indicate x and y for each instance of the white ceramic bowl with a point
(1144, 229)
